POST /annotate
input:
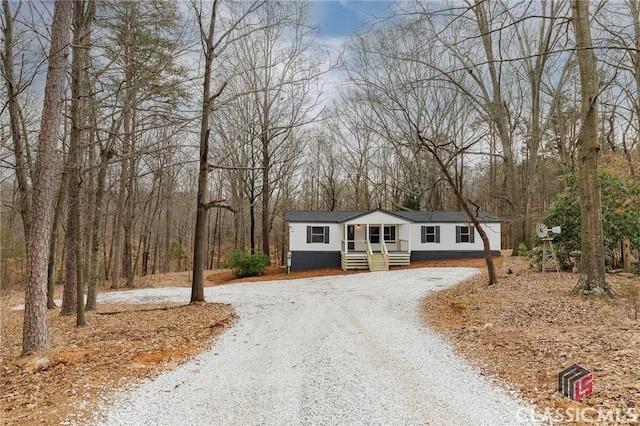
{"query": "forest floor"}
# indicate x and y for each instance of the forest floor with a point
(522, 331)
(528, 327)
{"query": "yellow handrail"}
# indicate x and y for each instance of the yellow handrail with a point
(369, 251)
(383, 248)
(385, 252)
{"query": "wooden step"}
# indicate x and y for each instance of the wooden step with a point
(378, 263)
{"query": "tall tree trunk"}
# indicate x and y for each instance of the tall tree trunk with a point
(96, 234)
(166, 253)
(592, 279)
(72, 234)
(197, 287)
(252, 226)
(499, 116)
(35, 335)
(55, 231)
(18, 137)
(634, 5)
(199, 238)
(266, 192)
(491, 269)
(118, 240)
(72, 298)
(209, 45)
(129, 224)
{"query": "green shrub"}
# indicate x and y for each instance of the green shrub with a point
(523, 250)
(244, 264)
(620, 218)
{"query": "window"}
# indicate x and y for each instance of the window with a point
(318, 234)
(430, 234)
(464, 234)
(389, 233)
(374, 234)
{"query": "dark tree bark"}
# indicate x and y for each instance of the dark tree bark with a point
(592, 279)
(500, 116)
(210, 45)
(199, 238)
(35, 334)
(55, 231)
(433, 150)
(18, 136)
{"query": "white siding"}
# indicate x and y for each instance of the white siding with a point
(448, 237)
(298, 237)
(376, 218)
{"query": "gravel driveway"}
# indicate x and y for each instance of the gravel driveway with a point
(339, 350)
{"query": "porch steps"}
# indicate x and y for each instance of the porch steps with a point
(378, 262)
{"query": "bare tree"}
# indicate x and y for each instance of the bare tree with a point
(215, 36)
(539, 40)
(140, 46)
(73, 295)
(413, 112)
(465, 57)
(619, 29)
(356, 141)
(19, 135)
(35, 335)
(278, 67)
(592, 279)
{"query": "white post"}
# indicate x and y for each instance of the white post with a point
(345, 236)
(366, 233)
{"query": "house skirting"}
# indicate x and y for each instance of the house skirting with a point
(451, 254)
(303, 260)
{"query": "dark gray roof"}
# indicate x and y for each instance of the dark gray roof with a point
(445, 216)
(414, 216)
(320, 216)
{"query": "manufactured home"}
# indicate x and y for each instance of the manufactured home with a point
(377, 239)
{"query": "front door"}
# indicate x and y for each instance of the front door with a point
(351, 236)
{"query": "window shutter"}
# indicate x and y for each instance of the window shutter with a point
(308, 235)
(457, 234)
(437, 234)
(326, 235)
(393, 233)
(471, 234)
(423, 234)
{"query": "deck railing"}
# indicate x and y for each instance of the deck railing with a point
(362, 253)
(369, 250)
(385, 252)
(356, 244)
(401, 245)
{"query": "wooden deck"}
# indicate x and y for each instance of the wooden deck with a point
(360, 259)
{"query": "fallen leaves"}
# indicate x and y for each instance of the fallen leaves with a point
(121, 345)
(539, 328)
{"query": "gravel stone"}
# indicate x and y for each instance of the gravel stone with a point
(347, 350)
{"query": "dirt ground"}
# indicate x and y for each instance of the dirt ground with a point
(521, 331)
(528, 327)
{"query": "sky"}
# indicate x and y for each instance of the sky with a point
(337, 20)
(341, 18)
